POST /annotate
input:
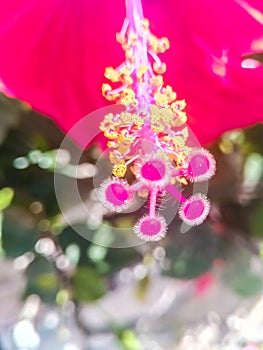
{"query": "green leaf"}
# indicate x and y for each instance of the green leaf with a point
(143, 287)
(128, 339)
(238, 274)
(247, 284)
(87, 285)
(18, 235)
(42, 280)
(6, 196)
(257, 221)
(104, 260)
(119, 258)
(192, 254)
(69, 237)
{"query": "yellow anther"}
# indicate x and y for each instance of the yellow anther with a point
(111, 134)
(119, 170)
(133, 38)
(161, 99)
(178, 105)
(111, 144)
(143, 193)
(157, 81)
(159, 68)
(120, 39)
(154, 43)
(157, 128)
(111, 74)
(124, 147)
(172, 181)
(145, 24)
(142, 70)
(105, 89)
(163, 45)
(180, 118)
(182, 180)
(122, 129)
(127, 96)
(116, 157)
(170, 93)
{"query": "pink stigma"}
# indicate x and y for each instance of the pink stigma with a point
(116, 194)
(199, 165)
(194, 210)
(153, 170)
(150, 227)
(202, 166)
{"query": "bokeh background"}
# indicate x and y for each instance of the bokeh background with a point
(198, 290)
(201, 290)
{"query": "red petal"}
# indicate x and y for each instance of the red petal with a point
(54, 52)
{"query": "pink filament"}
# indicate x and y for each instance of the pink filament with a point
(140, 52)
(174, 192)
(153, 197)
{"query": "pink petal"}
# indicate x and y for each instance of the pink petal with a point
(53, 54)
(204, 282)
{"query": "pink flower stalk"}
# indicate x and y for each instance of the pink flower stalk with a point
(53, 54)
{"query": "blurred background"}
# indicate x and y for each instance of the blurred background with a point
(201, 290)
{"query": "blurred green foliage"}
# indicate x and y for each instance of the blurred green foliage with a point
(128, 339)
(30, 212)
(87, 285)
(42, 280)
(6, 196)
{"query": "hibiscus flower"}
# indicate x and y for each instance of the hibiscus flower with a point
(53, 54)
